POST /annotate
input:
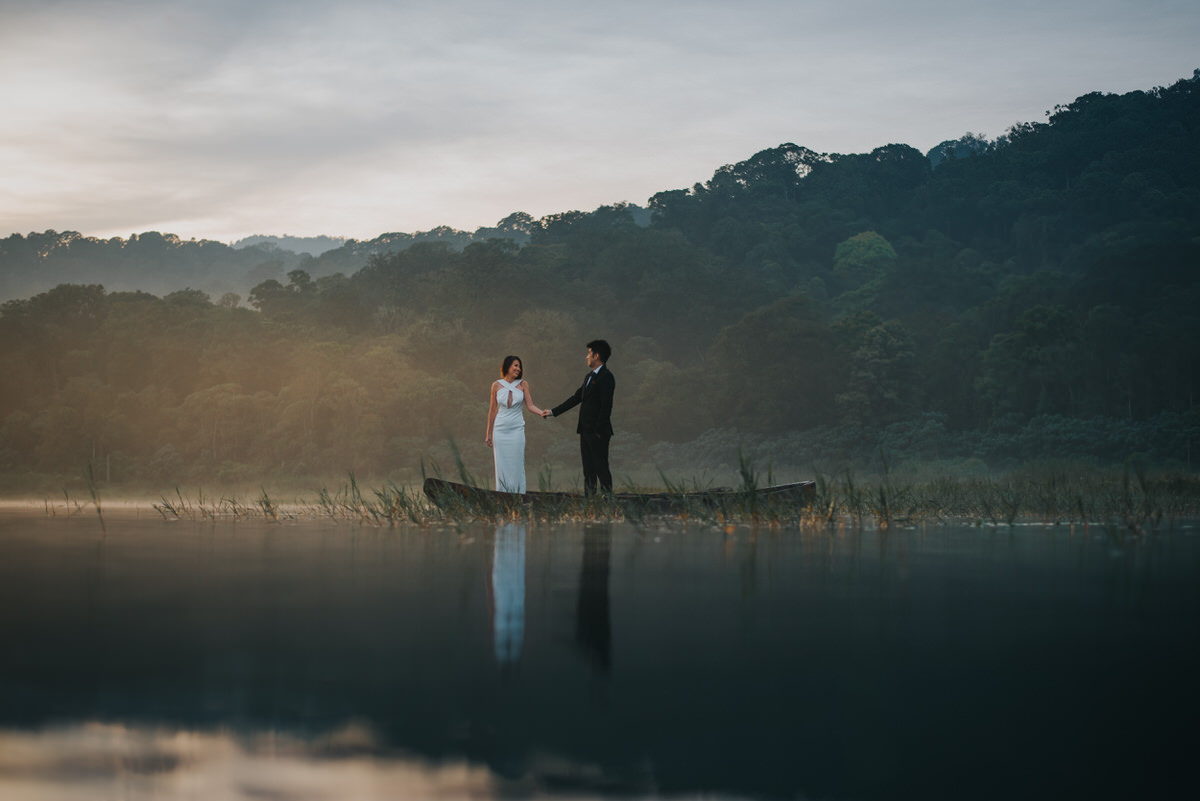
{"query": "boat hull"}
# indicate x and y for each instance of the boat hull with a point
(448, 494)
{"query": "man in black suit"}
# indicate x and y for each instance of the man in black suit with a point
(595, 400)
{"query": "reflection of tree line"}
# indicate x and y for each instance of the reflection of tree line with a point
(506, 595)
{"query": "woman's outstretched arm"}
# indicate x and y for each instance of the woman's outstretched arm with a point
(529, 399)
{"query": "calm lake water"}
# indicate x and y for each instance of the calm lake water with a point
(325, 660)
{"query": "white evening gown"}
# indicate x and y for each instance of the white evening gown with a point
(508, 437)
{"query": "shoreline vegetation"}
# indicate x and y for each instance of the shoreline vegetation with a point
(1131, 499)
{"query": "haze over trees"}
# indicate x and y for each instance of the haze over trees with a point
(163, 263)
(1034, 296)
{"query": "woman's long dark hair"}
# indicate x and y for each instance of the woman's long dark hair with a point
(508, 360)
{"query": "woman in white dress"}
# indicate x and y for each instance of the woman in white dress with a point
(506, 425)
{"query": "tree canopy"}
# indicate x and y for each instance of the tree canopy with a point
(975, 294)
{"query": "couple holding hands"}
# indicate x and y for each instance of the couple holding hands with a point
(506, 421)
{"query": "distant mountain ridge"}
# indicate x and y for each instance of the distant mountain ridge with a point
(162, 263)
(300, 245)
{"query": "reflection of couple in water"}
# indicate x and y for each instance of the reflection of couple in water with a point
(506, 595)
(506, 421)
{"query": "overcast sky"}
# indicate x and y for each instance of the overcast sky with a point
(219, 119)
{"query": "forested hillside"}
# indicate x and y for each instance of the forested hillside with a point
(1032, 297)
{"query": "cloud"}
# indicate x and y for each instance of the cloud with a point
(222, 119)
(105, 760)
(88, 760)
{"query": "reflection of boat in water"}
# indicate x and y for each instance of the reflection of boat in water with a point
(448, 494)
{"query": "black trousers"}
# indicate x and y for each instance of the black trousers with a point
(594, 451)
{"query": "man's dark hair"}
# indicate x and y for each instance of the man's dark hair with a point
(600, 348)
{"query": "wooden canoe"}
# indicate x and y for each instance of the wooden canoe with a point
(448, 494)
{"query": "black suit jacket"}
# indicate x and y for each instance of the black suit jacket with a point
(595, 401)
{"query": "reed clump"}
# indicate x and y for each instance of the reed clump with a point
(202, 507)
(1135, 499)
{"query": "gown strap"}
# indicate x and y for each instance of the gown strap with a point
(511, 389)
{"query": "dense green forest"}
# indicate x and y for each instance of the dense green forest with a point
(989, 303)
